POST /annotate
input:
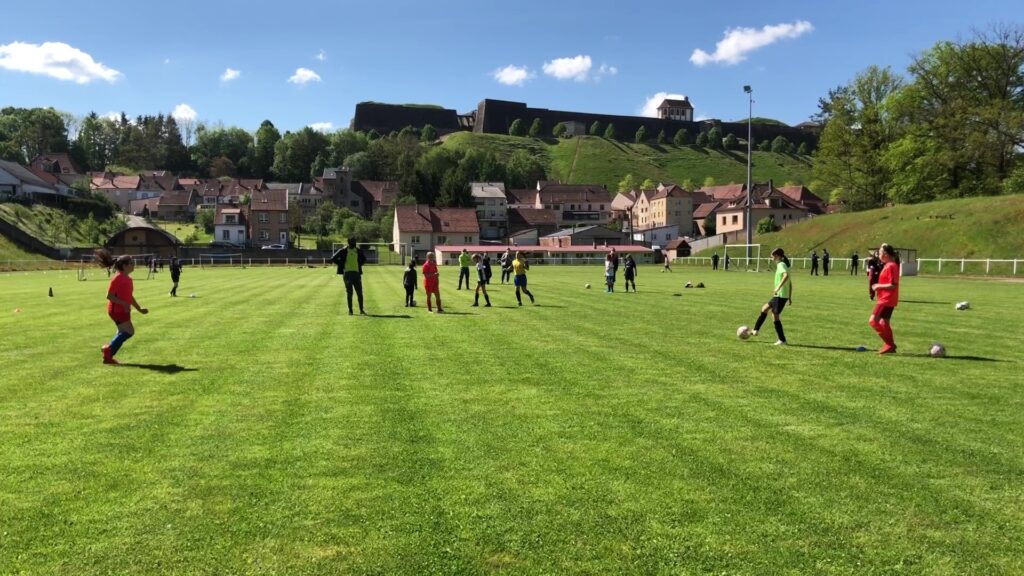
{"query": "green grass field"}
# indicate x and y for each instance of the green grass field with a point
(258, 429)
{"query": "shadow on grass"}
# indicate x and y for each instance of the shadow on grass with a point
(164, 368)
(925, 302)
(447, 313)
(389, 316)
(907, 354)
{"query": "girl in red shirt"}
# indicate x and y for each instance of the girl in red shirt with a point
(431, 284)
(120, 301)
(887, 291)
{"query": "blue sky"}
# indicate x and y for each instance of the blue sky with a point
(597, 55)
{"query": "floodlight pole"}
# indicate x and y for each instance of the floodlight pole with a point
(747, 215)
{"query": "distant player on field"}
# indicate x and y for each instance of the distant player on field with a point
(349, 261)
(873, 267)
(781, 295)
(519, 268)
(175, 275)
(409, 283)
(629, 272)
(481, 282)
(464, 261)
(888, 291)
(431, 282)
(609, 273)
(120, 301)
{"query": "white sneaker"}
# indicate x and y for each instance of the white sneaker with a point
(780, 343)
(753, 333)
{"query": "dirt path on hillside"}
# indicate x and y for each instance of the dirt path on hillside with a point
(575, 155)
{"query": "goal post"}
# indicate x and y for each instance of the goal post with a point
(735, 257)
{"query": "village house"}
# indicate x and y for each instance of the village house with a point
(418, 228)
(670, 109)
(17, 181)
(672, 206)
(491, 209)
(527, 225)
(766, 202)
(268, 217)
(229, 224)
(584, 236)
(656, 237)
(575, 203)
(178, 205)
(56, 163)
(377, 194)
(119, 188)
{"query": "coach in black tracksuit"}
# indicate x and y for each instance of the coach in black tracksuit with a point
(350, 262)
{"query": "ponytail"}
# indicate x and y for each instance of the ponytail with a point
(105, 260)
(891, 252)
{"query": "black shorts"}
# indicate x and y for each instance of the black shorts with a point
(777, 304)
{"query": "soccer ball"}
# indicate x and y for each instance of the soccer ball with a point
(743, 332)
(587, 285)
(937, 350)
(192, 295)
(963, 305)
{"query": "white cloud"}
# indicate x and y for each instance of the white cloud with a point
(650, 107)
(576, 68)
(230, 74)
(321, 55)
(322, 126)
(167, 60)
(115, 116)
(513, 75)
(606, 70)
(738, 42)
(57, 60)
(701, 118)
(304, 76)
(184, 113)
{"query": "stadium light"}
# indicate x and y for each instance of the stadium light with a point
(747, 212)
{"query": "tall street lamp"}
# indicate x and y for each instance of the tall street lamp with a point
(747, 213)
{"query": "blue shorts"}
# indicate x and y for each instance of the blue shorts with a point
(520, 280)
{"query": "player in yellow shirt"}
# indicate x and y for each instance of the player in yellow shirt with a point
(519, 268)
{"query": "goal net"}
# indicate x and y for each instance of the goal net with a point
(742, 257)
(145, 262)
(221, 261)
(378, 252)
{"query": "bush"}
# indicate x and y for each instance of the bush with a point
(661, 137)
(764, 146)
(780, 145)
(641, 135)
(535, 128)
(766, 225)
(559, 130)
(715, 138)
(429, 134)
(731, 142)
(702, 140)
(517, 128)
(595, 128)
(803, 149)
(681, 138)
(609, 132)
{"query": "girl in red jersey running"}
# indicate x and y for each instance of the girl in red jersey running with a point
(887, 292)
(120, 301)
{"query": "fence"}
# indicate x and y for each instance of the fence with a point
(966, 266)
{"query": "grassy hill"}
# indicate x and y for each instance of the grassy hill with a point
(594, 160)
(39, 221)
(10, 252)
(990, 227)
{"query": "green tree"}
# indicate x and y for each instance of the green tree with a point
(222, 167)
(345, 143)
(267, 137)
(662, 138)
(780, 145)
(319, 165)
(90, 229)
(524, 170)
(320, 222)
(689, 184)
(710, 181)
(517, 128)
(702, 140)
(681, 138)
(1014, 183)
(731, 142)
(205, 218)
(648, 184)
(627, 183)
(455, 190)
(641, 135)
(559, 130)
(428, 134)
(535, 128)
(764, 145)
(766, 225)
(359, 165)
(803, 150)
(709, 225)
(715, 138)
(234, 144)
(296, 152)
(609, 132)
(595, 128)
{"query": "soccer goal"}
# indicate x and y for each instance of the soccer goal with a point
(742, 257)
(221, 261)
(378, 252)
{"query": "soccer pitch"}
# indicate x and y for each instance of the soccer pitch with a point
(259, 429)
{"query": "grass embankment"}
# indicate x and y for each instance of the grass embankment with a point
(602, 161)
(41, 221)
(274, 434)
(183, 231)
(990, 227)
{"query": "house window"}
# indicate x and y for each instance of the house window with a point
(442, 239)
(723, 220)
(415, 239)
(264, 235)
(469, 239)
(226, 235)
(264, 217)
(602, 207)
(354, 203)
(283, 218)
(735, 219)
(229, 219)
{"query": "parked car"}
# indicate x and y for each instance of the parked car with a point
(224, 244)
(275, 247)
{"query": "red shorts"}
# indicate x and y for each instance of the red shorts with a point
(882, 311)
(432, 287)
(119, 316)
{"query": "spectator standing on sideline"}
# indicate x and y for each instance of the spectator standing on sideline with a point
(349, 261)
(854, 263)
(464, 261)
(825, 259)
(728, 260)
(505, 261)
(409, 283)
(714, 261)
(814, 263)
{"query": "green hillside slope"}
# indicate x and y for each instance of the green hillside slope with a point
(41, 222)
(990, 227)
(594, 160)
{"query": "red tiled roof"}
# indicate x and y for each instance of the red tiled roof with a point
(383, 192)
(178, 198)
(804, 196)
(561, 193)
(154, 182)
(48, 177)
(588, 249)
(705, 209)
(726, 192)
(135, 206)
(666, 103)
(521, 196)
(672, 191)
(423, 218)
(63, 159)
(676, 244)
(519, 218)
(273, 199)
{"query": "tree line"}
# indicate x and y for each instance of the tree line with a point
(951, 127)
